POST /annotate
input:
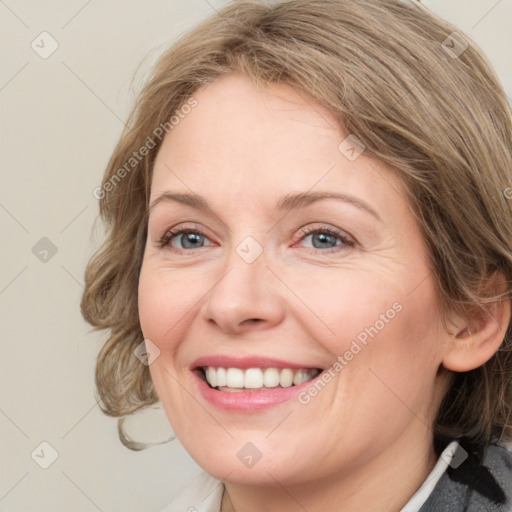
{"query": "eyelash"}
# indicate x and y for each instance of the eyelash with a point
(165, 240)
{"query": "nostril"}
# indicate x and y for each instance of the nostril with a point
(252, 321)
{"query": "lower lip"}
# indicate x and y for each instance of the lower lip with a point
(247, 401)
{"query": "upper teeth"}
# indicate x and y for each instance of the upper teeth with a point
(256, 378)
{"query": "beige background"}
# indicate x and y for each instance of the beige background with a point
(60, 118)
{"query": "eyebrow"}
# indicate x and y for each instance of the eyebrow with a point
(286, 203)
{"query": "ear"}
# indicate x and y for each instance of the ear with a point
(479, 337)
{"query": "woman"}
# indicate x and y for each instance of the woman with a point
(309, 225)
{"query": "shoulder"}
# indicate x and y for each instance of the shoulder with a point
(498, 461)
(203, 494)
(475, 482)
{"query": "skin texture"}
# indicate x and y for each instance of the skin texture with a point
(364, 442)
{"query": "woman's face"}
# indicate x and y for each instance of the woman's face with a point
(272, 277)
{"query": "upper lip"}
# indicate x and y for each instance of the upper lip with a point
(224, 361)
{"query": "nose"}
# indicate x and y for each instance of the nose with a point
(245, 297)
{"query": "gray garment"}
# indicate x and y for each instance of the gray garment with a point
(481, 483)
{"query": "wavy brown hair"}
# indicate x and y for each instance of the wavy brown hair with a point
(440, 118)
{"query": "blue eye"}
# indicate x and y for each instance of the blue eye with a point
(326, 238)
(190, 239)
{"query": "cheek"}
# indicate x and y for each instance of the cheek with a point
(162, 313)
(152, 305)
(401, 360)
(159, 316)
(386, 341)
(383, 305)
(349, 305)
(164, 303)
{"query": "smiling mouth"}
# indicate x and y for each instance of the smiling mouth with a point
(255, 379)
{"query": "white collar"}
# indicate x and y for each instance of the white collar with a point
(422, 494)
(204, 494)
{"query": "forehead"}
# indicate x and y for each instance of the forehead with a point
(234, 117)
(244, 143)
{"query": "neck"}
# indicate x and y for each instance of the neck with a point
(384, 484)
